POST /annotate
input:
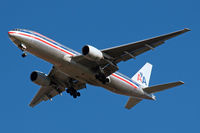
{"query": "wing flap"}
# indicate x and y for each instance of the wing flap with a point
(39, 97)
(137, 51)
(158, 88)
(132, 101)
(45, 93)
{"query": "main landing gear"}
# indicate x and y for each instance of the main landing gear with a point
(73, 92)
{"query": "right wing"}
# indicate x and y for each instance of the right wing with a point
(60, 80)
(132, 101)
(45, 93)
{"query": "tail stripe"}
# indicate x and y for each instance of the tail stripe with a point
(123, 79)
(127, 78)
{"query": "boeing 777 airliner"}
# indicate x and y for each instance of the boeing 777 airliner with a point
(73, 70)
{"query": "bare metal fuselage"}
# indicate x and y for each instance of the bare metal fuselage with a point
(64, 62)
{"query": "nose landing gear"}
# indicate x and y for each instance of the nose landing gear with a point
(24, 54)
(23, 48)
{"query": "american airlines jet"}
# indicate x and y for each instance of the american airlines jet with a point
(73, 70)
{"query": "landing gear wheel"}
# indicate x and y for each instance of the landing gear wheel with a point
(73, 92)
(74, 96)
(24, 55)
(67, 91)
(78, 94)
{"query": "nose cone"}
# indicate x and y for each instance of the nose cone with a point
(12, 32)
(11, 35)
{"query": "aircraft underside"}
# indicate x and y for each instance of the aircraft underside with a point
(73, 70)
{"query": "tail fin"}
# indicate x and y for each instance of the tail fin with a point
(142, 77)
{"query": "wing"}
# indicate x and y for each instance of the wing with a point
(132, 101)
(125, 52)
(131, 50)
(60, 82)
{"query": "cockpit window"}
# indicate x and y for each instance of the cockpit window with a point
(16, 29)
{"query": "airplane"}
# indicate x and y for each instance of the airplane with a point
(71, 70)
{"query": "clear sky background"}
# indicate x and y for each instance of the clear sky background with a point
(103, 24)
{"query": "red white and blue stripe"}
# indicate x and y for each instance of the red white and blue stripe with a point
(126, 79)
(46, 40)
(52, 43)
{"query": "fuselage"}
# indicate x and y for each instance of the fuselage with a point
(62, 58)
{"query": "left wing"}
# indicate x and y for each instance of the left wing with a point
(125, 52)
(60, 81)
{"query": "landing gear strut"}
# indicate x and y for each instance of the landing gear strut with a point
(73, 92)
(23, 48)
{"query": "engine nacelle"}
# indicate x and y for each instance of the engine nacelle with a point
(92, 53)
(40, 78)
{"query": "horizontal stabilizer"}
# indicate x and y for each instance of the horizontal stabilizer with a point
(162, 87)
(132, 101)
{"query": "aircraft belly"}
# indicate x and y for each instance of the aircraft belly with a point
(78, 71)
(93, 70)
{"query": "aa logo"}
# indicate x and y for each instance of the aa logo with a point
(141, 78)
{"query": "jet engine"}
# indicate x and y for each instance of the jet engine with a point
(92, 53)
(40, 78)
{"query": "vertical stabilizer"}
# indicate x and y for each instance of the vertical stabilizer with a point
(142, 77)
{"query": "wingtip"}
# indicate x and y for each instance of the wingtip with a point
(181, 82)
(187, 29)
(31, 105)
(127, 108)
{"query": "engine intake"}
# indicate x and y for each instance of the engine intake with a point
(40, 78)
(92, 53)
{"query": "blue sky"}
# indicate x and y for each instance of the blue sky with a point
(103, 24)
